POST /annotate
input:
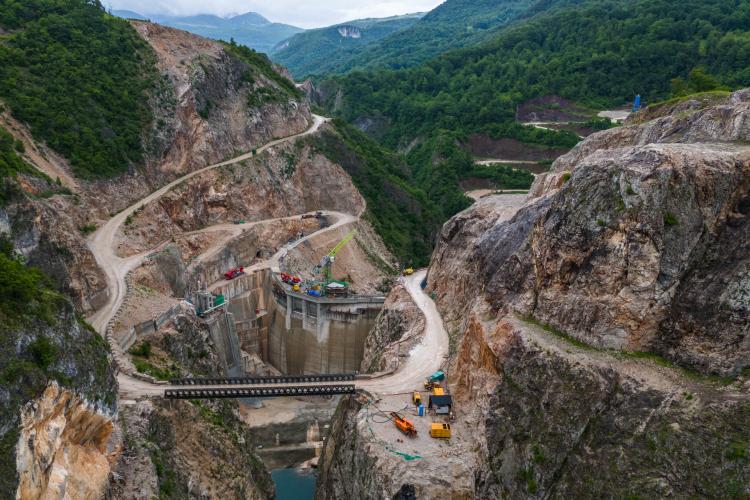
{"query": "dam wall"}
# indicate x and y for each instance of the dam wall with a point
(296, 333)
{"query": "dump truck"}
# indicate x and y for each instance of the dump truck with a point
(438, 376)
(404, 425)
(234, 272)
(440, 431)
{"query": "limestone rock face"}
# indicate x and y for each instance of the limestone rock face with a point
(601, 327)
(58, 394)
(629, 243)
(209, 106)
(397, 328)
(594, 319)
(62, 448)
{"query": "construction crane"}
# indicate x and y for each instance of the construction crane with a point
(326, 263)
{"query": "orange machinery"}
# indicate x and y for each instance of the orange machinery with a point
(404, 425)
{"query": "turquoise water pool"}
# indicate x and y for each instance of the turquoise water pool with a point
(294, 484)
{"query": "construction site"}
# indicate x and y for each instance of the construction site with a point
(278, 299)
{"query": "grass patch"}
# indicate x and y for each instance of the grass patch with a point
(557, 333)
(156, 372)
(143, 350)
(670, 219)
(88, 228)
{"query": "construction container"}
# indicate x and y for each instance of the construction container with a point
(440, 431)
(420, 410)
(438, 391)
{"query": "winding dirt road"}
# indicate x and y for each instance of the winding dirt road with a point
(424, 358)
(102, 241)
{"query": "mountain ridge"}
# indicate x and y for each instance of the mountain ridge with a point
(250, 28)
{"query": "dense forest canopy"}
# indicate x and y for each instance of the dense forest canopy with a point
(79, 77)
(600, 52)
(326, 50)
(401, 213)
(453, 24)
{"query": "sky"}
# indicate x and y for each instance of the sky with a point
(302, 13)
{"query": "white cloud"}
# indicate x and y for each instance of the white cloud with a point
(306, 14)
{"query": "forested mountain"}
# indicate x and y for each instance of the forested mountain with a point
(249, 29)
(596, 52)
(79, 77)
(324, 50)
(453, 24)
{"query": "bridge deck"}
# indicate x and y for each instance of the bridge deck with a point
(255, 392)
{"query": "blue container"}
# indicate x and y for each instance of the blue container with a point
(421, 410)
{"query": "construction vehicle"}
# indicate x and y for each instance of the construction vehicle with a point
(326, 263)
(289, 279)
(438, 376)
(416, 398)
(408, 271)
(438, 391)
(440, 431)
(234, 272)
(404, 425)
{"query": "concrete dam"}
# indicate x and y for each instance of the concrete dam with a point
(297, 333)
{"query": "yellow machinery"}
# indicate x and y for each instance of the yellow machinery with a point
(442, 431)
(408, 271)
(438, 391)
(416, 398)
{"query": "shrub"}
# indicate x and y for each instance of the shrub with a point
(44, 352)
(88, 228)
(143, 350)
(670, 219)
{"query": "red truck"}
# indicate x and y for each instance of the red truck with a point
(234, 272)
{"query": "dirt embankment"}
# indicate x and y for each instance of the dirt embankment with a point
(483, 146)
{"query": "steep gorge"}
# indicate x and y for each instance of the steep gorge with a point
(601, 327)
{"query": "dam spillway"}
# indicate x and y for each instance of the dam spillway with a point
(297, 333)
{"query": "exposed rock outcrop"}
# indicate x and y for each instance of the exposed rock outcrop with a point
(64, 448)
(58, 404)
(398, 328)
(602, 327)
(630, 254)
(210, 458)
(210, 105)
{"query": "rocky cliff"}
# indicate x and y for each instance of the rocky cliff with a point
(163, 456)
(602, 308)
(58, 394)
(211, 102)
(602, 326)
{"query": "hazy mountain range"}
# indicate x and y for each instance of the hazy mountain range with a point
(249, 29)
